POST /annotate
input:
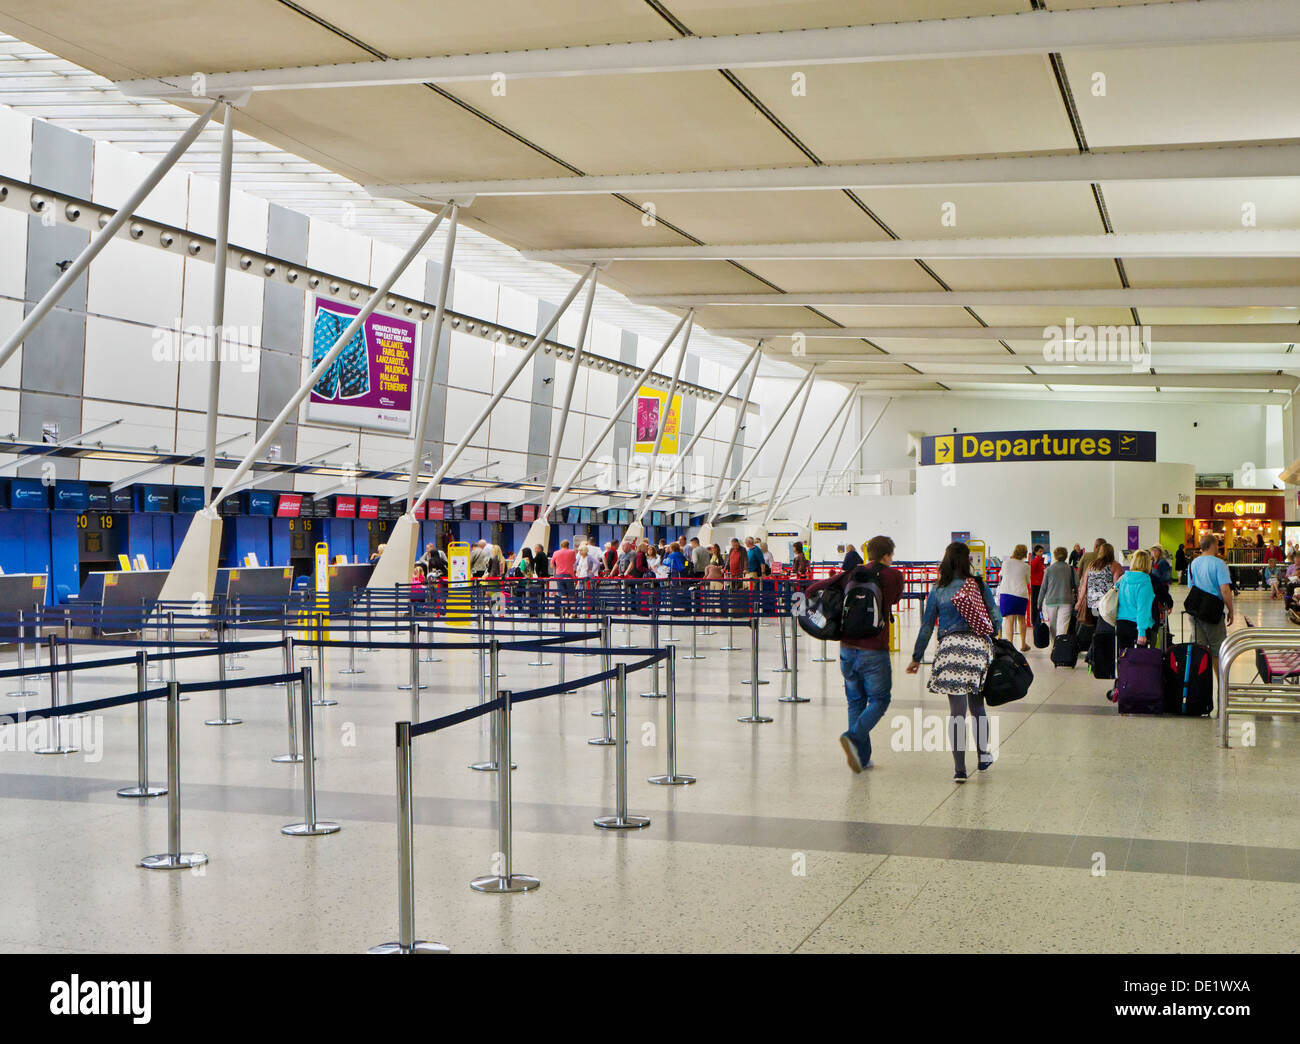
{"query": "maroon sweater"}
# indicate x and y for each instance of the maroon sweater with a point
(891, 590)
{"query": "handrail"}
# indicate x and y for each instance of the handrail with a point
(1248, 639)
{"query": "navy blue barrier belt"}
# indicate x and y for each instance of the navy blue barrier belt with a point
(86, 705)
(243, 683)
(122, 661)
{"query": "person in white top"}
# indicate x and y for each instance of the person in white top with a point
(1013, 595)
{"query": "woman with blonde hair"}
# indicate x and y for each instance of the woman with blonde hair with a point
(1013, 595)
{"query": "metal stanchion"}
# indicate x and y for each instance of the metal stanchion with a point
(171, 642)
(56, 734)
(22, 689)
(406, 940)
(67, 657)
(352, 667)
(654, 693)
(754, 682)
(541, 631)
(620, 820)
(560, 653)
(231, 665)
(237, 655)
(142, 789)
(793, 695)
(309, 827)
(606, 686)
(785, 660)
(223, 714)
(174, 858)
(293, 757)
(672, 777)
(671, 599)
(322, 700)
(414, 685)
(505, 880)
(731, 645)
(823, 658)
(492, 765)
(697, 601)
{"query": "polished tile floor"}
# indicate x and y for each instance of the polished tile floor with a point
(1091, 833)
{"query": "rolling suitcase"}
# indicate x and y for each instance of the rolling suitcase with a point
(1065, 651)
(1189, 680)
(1140, 685)
(1102, 656)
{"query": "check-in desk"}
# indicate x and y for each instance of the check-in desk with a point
(344, 580)
(19, 592)
(253, 588)
(120, 590)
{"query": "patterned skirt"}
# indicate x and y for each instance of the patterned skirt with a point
(960, 664)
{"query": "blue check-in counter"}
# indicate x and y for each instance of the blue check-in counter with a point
(254, 589)
(20, 592)
(120, 590)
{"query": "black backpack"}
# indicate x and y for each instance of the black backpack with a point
(864, 614)
(819, 614)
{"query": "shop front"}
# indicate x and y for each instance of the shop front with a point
(1245, 520)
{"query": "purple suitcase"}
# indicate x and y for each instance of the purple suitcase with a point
(1140, 681)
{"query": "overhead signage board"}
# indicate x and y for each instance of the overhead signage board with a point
(369, 383)
(71, 496)
(988, 447)
(1244, 504)
(830, 527)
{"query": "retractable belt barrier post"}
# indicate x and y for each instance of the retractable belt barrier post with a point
(174, 858)
(754, 682)
(352, 667)
(293, 757)
(504, 880)
(620, 820)
(785, 660)
(22, 689)
(406, 940)
(793, 695)
(322, 700)
(654, 693)
(223, 713)
(142, 789)
(492, 764)
(56, 727)
(672, 777)
(309, 827)
(697, 605)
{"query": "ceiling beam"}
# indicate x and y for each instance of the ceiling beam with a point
(1111, 297)
(1225, 381)
(1161, 360)
(1189, 333)
(1235, 243)
(1188, 22)
(1176, 164)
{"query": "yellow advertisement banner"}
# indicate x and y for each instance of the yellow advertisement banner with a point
(649, 410)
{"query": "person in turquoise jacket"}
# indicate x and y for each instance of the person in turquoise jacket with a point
(1135, 619)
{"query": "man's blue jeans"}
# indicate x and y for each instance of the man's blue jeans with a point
(867, 680)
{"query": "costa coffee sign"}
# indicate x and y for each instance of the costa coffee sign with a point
(1244, 504)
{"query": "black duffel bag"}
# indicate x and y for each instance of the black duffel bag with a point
(1203, 606)
(1009, 675)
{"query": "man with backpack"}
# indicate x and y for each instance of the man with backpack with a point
(870, 591)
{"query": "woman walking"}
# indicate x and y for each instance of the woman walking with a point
(961, 606)
(1056, 597)
(1013, 594)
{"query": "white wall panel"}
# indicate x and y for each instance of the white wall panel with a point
(466, 366)
(15, 144)
(462, 408)
(126, 362)
(130, 281)
(117, 173)
(248, 214)
(244, 295)
(11, 314)
(410, 283)
(340, 252)
(13, 256)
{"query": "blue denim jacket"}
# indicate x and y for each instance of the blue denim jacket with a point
(940, 610)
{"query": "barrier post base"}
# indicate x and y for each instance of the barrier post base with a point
(490, 766)
(288, 759)
(224, 721)
(141, 792)
(174, 861)
(756, 719)
(325, 701)
(602, 741)
(622, 822)
(362, 670)
(495, 885)
(419, 946)
(309, 829)
(780, 670)
(57, 750)
(793, 699)
(761, 681)
(20, 693)
(671, 781)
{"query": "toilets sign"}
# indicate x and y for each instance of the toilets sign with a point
(986, 447)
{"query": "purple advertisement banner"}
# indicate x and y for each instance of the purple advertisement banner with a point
(370, 383)
(1133, 538)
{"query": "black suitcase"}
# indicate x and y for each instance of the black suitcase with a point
(1065, 651)
(1042, 635)
(1189, 680)
(1102, 656)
